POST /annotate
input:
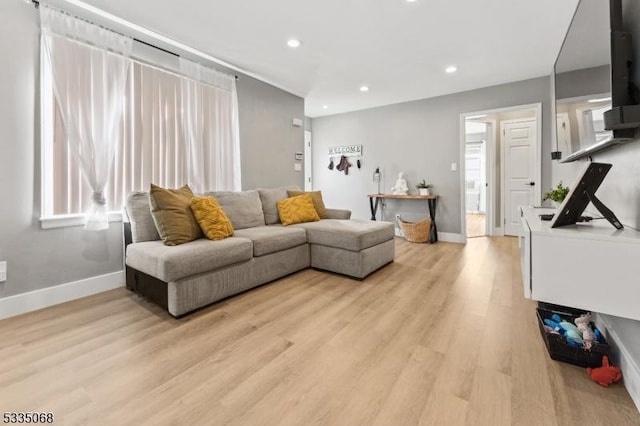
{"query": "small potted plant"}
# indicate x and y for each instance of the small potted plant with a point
(556, 195)
(424, 188)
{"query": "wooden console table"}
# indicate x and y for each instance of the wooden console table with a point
(432, 200)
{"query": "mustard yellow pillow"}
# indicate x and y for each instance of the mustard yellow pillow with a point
(212, 219)
(316, 197)
(172, 215)
(298, 209)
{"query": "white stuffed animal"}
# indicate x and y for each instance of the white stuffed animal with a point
(582, 322)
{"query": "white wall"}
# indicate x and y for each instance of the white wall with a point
(621, 189)
(621, 193)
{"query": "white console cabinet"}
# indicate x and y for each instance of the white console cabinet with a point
(590, 266)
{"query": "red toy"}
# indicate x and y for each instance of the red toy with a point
(606, 374)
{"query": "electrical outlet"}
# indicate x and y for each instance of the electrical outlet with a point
(3, 272)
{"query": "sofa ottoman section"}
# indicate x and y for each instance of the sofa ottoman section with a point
(350, 247)
(353, 234)
(357, 264)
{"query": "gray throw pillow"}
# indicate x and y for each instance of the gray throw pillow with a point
(269, 198)
(244, 208)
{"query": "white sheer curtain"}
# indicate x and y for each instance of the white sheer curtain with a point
(153, 148)
(211, 128)
(89, 66)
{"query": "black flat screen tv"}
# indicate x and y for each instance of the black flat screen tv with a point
(595, 99)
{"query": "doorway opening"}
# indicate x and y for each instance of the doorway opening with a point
(500, 156)
(475, 184)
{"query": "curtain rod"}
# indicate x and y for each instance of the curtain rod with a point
(36, 4)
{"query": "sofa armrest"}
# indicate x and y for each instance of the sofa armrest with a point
(339, 214)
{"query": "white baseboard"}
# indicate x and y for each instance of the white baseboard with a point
(629, 366)
(450, 237)
(39, 299)
(442, 236)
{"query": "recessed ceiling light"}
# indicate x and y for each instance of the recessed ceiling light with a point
(325, 106)
(364, 88)
(451, 69)
(410, 1)
(293, 43)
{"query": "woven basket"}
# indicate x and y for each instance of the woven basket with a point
(416, 232)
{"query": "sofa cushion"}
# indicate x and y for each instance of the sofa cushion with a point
(244, 209)
(273, 238)
(143, 228)
(172, 215)
(212, 219)
(338, 214)
(354, 234)
(269, 198)
(316, 197)
(171, 263)
(297, 209)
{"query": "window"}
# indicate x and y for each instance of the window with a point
(155, 146)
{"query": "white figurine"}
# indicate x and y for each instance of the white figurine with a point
(400, 188)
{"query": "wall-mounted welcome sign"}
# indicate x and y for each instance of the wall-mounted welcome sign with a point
(346, 150)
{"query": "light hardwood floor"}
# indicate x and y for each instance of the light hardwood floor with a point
(476, 225)
(442, 336)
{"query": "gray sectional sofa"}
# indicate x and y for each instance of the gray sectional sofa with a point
(189, 276)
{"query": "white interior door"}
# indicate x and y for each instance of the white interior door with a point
(308, 185)
(474, 178)
(520, 171)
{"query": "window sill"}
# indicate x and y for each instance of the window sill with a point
(69, 220)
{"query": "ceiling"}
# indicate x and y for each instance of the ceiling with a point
(398, 48)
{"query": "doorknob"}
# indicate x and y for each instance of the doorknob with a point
(530, 184)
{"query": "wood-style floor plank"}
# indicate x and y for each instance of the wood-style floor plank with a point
(440, 336)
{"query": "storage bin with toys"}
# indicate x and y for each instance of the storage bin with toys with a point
(570, 336)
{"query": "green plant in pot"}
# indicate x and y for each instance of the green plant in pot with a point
(424, 188)
(558, 194)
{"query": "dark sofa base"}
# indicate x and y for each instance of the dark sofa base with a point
(149, 287)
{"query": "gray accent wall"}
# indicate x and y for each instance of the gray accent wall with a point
(587, 81)
(420, 138)
(35, 258)
(268, 138)
(43, 258)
